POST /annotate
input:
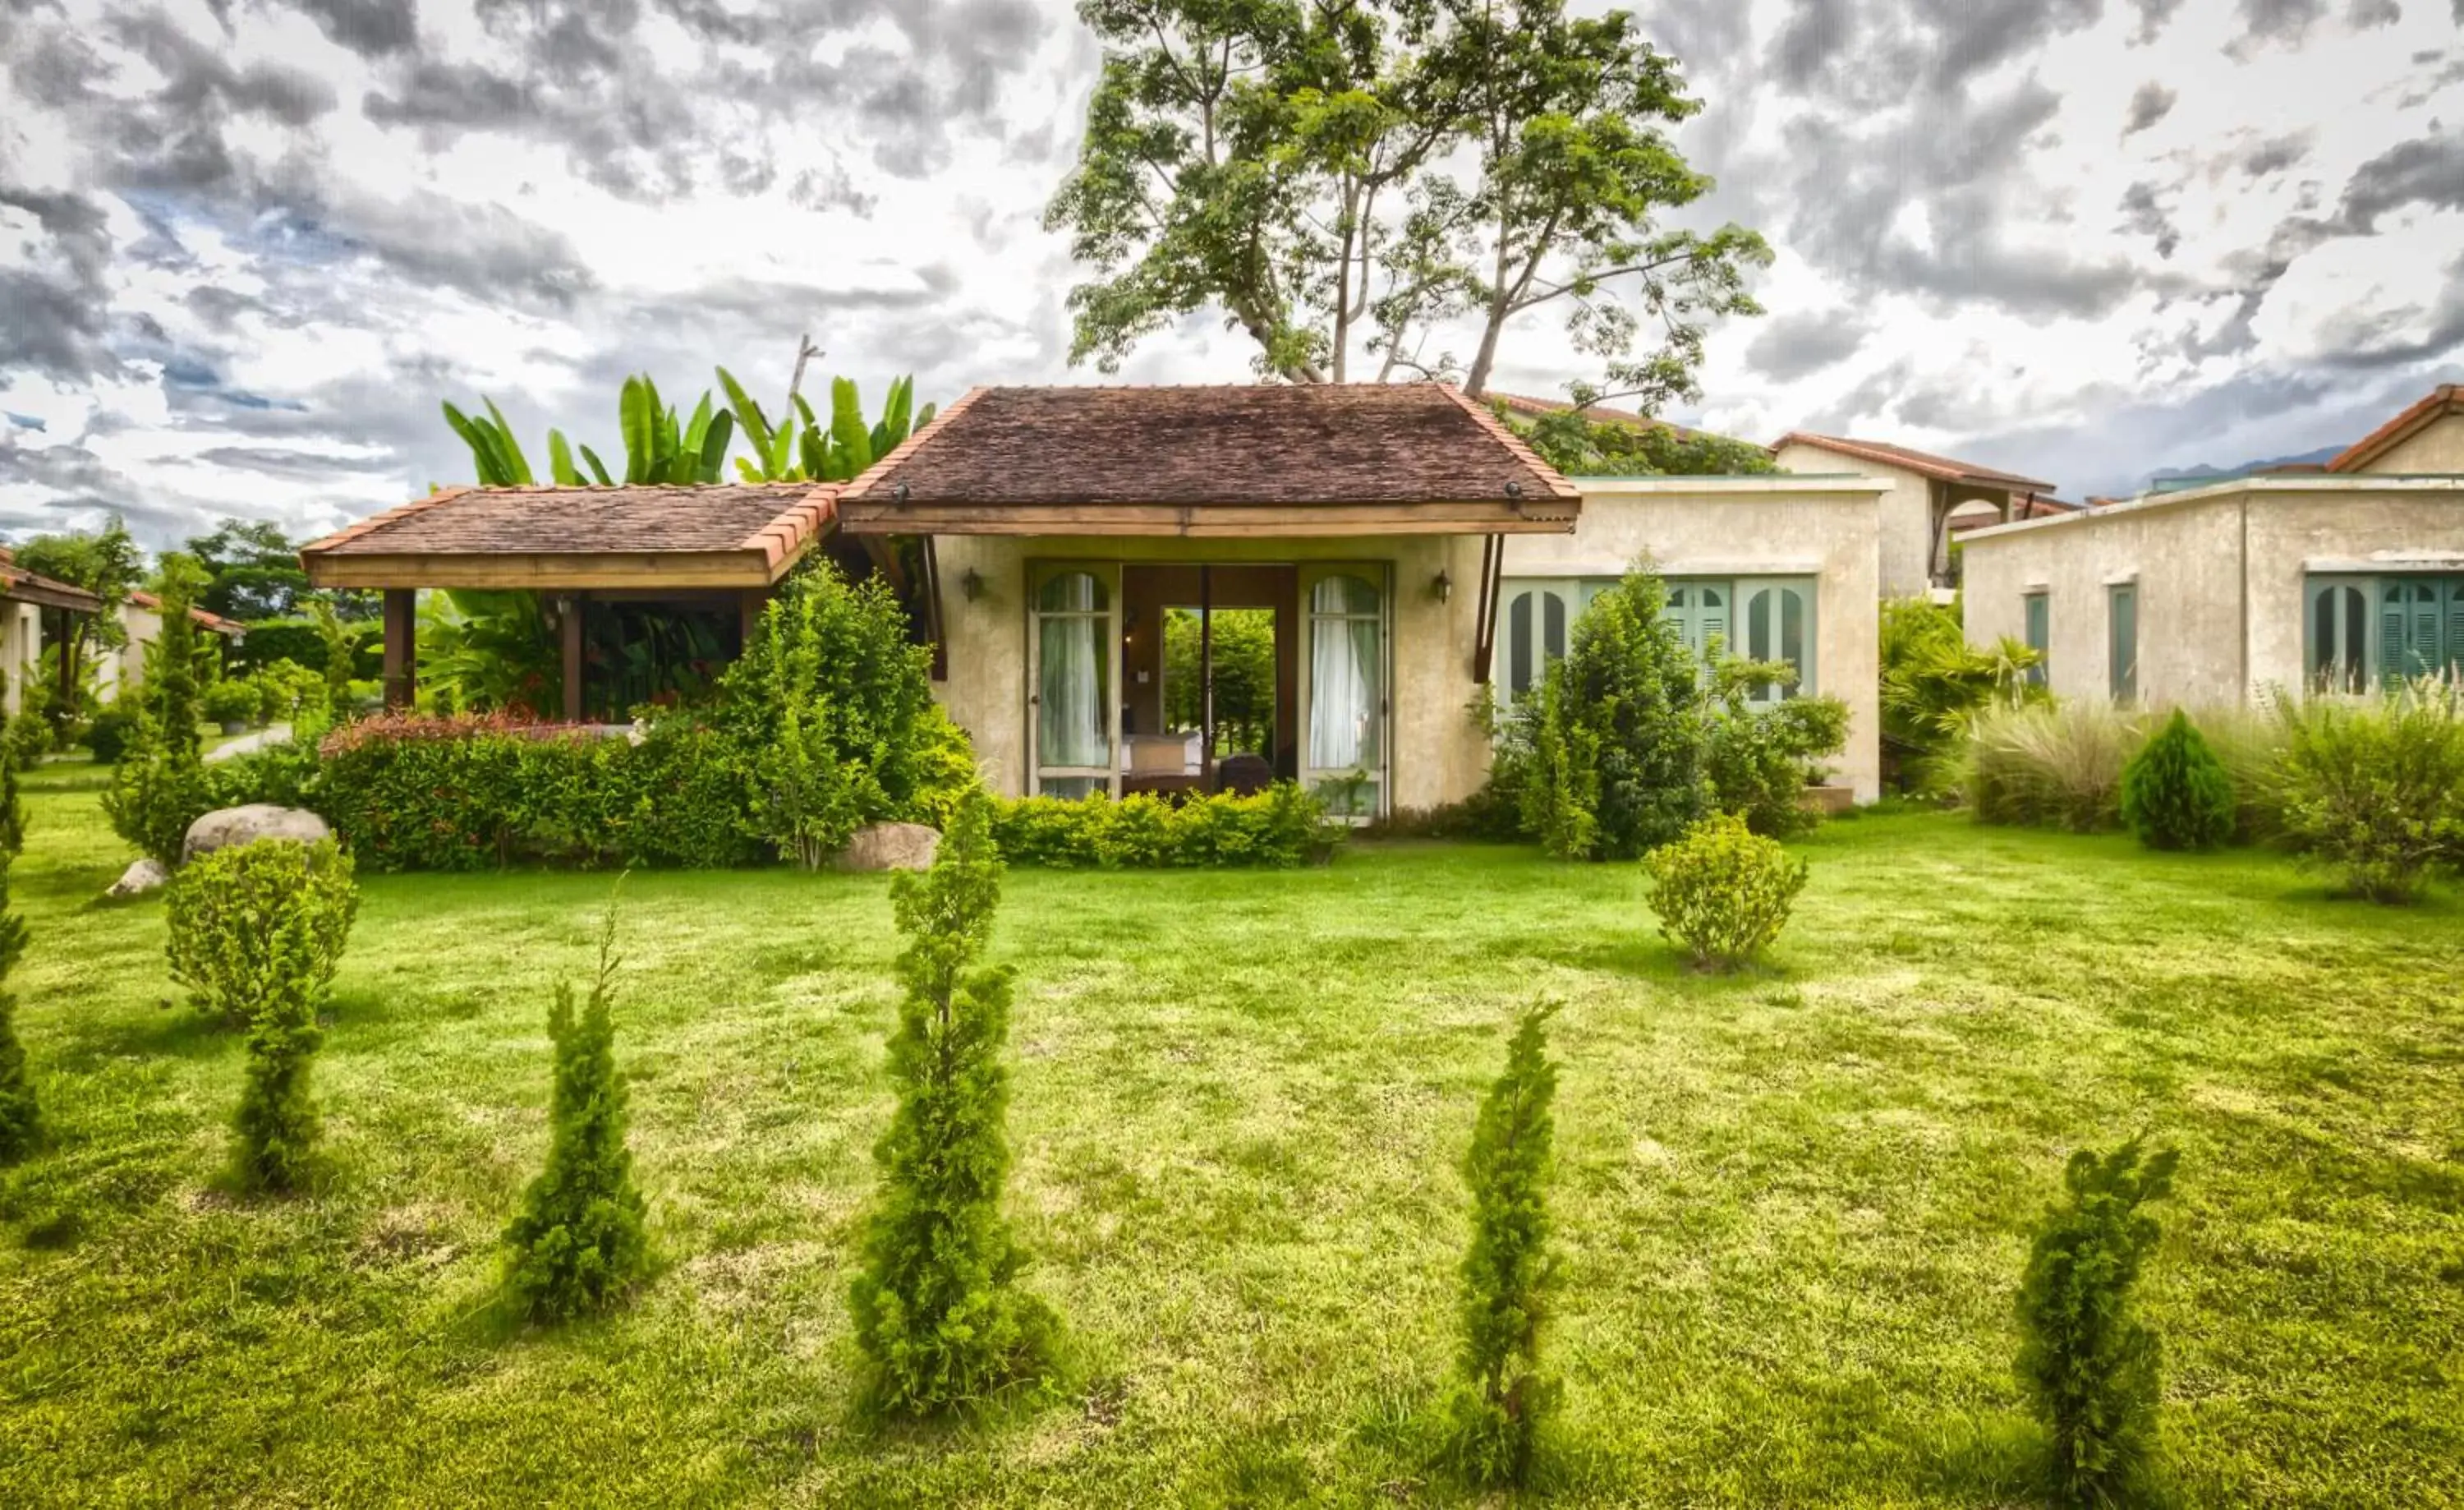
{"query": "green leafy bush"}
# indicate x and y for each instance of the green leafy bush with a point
(2375, 787)
(1280, 826)
(1722, 891)
(2175, 795)
(287, 692)
(21, 1123)
(245, 919)
(2089, 1365)
(1623, 731)
(579, 1242)
(828, 708)
(1761, 759)
(1501, 1395)
(257, 934)
(230, 702)
(108, 732)
(2051, 766)
(936, 1311)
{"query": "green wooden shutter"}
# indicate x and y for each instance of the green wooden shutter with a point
(2455, 661)
(2121, 638)
(2039, 631)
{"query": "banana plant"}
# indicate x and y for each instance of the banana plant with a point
(659, 450)
(497, 456)
(801, 448)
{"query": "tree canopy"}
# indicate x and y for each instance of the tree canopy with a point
(1351, 178)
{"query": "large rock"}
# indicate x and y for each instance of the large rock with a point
(226, 827)
(139, 878)
(892, 847)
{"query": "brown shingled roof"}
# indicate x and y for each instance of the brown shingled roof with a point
(1923, 463)
(2447, 398)
(736, 533)
(1297, 445)
(27, 586)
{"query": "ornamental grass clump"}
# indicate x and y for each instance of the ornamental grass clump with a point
(937, 1314)
(2375, 787)
(2051, 766)
(2175, 792)
(1501, 1394)
(579, 1243)
(229, 911)
(2090, 1367)
(1723, 892)
(272, 959)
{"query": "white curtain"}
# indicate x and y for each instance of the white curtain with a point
(1343, 693)
(1071, 728)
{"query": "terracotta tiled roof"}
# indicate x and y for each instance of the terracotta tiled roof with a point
(1526, 404)
(16, 582)
(2447, 398)
(776, 519)
(1923, 463)
(212, 621)
(1298, 445)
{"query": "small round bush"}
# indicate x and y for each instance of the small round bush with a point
(107, 734)
(229, 909)
(230, 702)
(1722, 891)
(2175, 793)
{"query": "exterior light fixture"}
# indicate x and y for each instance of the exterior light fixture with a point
(900, 491)
(1514, 488)
(1443, 588)
(972, 584)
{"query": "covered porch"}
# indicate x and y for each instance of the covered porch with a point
(627, 582)
(36, 611)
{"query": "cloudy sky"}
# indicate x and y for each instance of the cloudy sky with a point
(247, 246)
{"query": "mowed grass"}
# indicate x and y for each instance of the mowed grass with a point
(1793, 1206)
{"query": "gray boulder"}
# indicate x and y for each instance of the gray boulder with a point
(892, 847)
(226, 827)
(139, 878)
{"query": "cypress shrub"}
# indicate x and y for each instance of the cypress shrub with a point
(159, 786)
(229, 911)
(2175, 792)
(579, 1243)
(1630, 705)
(2090, 1365)
(936, 1309)
(21, 1127)
(277, 1125)
(1501, 1395)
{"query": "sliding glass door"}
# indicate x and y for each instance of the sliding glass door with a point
(1073, 647)
(1344, 687)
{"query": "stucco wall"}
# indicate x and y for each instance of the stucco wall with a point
(1438, 753)
(21, 649)
(126, 665)
(1827, 530)
(2437, 447)
(2202, 639)
(1904, 515)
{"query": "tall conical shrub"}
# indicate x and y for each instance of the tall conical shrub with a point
(2175, 793)
(1501, 1394)
(579, 1243)
(159, 786)
(2090, 1365)
(937, 1311)
(21, 1125)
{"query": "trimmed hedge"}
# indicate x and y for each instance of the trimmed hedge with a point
(471, 793)
(1280, 826)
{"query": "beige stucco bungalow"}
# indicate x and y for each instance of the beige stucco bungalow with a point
(2340, 576)
(1925, 493)
(1406, 548)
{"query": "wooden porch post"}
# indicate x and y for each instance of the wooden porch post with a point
(401, 649)
(569, 615)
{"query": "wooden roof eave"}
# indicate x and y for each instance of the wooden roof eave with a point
(44, 594)
(547, 571)
(881, 516)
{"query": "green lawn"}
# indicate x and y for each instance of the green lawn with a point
(1792, 1205)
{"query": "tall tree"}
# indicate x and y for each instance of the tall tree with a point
(1348, 176)
(251, 569)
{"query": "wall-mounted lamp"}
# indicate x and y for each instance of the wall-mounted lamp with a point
(972, 584)
(1443, 588)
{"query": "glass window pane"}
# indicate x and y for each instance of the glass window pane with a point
(1518, 645)
(1073, 692)
(1791, 632)
(2357, 629)
(2322, 635)
(1343, 595)
(1073, 592)
(1552, 614)
(1072, 787)
(1345, 697)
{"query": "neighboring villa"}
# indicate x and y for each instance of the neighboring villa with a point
(141, 622)
(1928, 495)
(1412, 556)
(2342, 576)
(34, 610)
